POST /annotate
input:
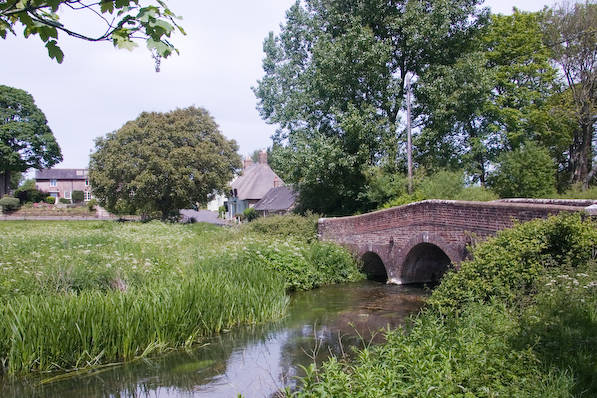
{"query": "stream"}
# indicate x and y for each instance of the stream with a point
(256, 361)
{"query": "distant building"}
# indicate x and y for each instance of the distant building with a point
(60, 183)
(278, 200)
(251, 186)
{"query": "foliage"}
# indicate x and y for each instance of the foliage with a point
(334, 82)
(28, 193)
(525, 326)
(50, 200)
(492, 99)
(507, 266)
(125, 21)
(78, 294)
(444, 184)
(91, 204)
(569, 30)
(162, 162)
(63, 200)
(527, 172)
(577, 192)
(26, 141)
(78, 196)
(250, 214)
(286, 226)
(9, 204)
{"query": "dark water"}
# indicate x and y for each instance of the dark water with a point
(252, 361)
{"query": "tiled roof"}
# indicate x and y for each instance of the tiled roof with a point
(61, 174)
(256, 180)
(278, 198)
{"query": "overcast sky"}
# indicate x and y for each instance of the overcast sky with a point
(98, 88)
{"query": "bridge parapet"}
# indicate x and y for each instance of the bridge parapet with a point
(446, 224)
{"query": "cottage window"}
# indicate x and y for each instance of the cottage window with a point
(67, 195)
(87, 182)
(53, 182)
(88, 196)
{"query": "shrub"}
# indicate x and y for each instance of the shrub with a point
(527, 172)
(78, 196)
(64, 201)
(290, 225)
(50, 200)
(91, 204)
(9, 203)
(27, 193)
(507, 266)
(221, 211)
(250, 214)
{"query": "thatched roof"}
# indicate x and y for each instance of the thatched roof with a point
(255, 181)
(277, 199)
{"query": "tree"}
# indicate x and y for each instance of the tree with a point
(162, 162)
(527, 172)
(124, 21)
(570, 30)
(26, 140)
(335, 78)
(490, 100)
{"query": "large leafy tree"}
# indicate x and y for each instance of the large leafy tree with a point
(162, 162)
(123, 21)
(492, 99)
(26, 140)
(570, 30)
(335, 78)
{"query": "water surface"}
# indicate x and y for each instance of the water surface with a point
(254, 361)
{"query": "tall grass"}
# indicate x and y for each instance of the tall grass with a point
(75, 294)
(519, 320)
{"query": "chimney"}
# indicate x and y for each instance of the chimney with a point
(247, 162)
(277, 182)
(263, 157)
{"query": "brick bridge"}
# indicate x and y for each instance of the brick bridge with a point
(416, 243)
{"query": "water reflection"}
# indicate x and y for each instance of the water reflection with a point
(253, 361)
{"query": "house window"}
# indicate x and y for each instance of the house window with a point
(87, 182)
(54, 194)
(53, 182)
(88, 196)
(67, 195)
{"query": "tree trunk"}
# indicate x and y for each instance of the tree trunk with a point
(4, 183)
(580, 155)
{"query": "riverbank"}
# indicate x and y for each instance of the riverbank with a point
(518, 320)
(79, 294)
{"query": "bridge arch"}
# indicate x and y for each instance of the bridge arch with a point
(426, 258)
(374, 267)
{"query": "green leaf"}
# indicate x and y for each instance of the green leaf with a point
(54, 51)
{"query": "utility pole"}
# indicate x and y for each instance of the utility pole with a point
(409, 154)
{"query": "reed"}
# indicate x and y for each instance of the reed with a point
(75, 295)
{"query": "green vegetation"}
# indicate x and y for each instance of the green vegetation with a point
(78, 196)
(8, 204)
(26, 140)
(295, 226)
(120, 22)
(78, 294)
(162, 162)
(518, 320)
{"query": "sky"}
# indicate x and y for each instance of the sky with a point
(99, 88)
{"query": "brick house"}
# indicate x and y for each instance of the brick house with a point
(60, 183)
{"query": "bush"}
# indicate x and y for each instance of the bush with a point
(91, 204)
(291, 225)
(9, 204)
(507, 266)
(527, 172)
(50, 200)
(250, 214)
(221, 211)
(64, 201)
(78, 196)
(27, 193)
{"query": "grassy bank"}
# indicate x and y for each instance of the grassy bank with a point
(77, 294)
(518, 320)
